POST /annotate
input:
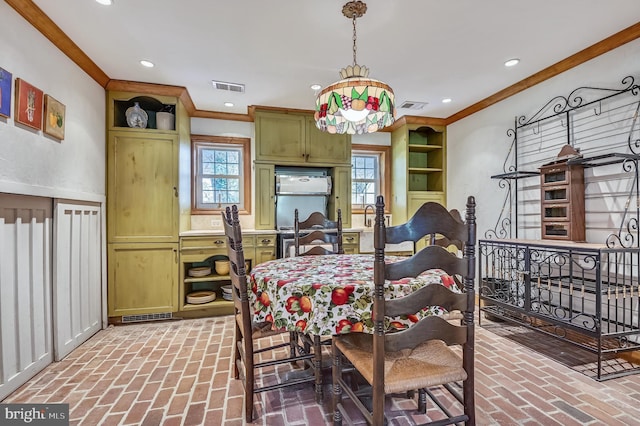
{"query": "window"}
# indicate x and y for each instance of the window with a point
(221, 174)
(370, 175)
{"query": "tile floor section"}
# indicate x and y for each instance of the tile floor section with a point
(178, 373)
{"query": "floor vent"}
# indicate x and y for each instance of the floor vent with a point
(146, 317)
(231, 87)
(413, 105)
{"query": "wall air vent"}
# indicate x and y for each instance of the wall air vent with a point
(230, 87)
(413, 105)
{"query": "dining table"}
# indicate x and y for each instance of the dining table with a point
(326, 295)
(331, 294)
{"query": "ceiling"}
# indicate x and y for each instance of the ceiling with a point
(426, 50)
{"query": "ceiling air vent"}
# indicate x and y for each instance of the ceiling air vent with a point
(413, 105)
(230, 87)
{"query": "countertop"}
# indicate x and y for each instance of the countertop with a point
(214, 232)
(366, 237)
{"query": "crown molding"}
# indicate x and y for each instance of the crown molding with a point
(41, 22)
(618, 39)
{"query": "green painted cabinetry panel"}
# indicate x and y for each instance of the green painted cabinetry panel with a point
(418, 155)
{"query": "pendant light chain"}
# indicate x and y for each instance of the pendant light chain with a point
(354, 41)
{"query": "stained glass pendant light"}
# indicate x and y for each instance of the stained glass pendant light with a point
(356, 104)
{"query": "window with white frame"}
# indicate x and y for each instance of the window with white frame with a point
(369, 175)
(221, 174)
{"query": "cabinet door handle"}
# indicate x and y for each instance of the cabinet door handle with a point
(307, 157)
(175, 253)
(175, 191)
(218, 242)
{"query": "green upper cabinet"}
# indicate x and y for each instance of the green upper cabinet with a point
(419, 168)
(280, 137)
(326, 148)
(292, 138)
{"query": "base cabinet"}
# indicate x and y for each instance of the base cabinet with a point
(203, 252)
(265, 248)
(142, 278)
(415, 200)
(351, 242)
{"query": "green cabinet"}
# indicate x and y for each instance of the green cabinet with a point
(148, 203)
(265, 202)
(265, 248)
(415, 199)
(203, 251)
(326, 148)
(293, 138)
(142, 182)
(419, 168)
(142, 278)
(351, 242)
(341, 195)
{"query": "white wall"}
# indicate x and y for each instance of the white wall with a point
(478, 145)
(31, 162)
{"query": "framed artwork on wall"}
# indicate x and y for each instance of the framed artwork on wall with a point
(5, 93)
(54, 117)
(28, 104)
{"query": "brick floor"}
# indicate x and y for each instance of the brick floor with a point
(179, 373)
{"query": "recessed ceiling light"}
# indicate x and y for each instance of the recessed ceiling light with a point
(512, 62)
(316, 87)
(446, 100)
(228, 104)
(105, 2)
(147, 64)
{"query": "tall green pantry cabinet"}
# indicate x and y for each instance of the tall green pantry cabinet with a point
(148, 203)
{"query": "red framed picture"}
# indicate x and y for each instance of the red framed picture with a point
(28, 104)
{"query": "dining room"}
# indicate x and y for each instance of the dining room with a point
(182, 372)
(115, 278)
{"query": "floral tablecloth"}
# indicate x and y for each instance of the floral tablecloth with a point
(332, 294)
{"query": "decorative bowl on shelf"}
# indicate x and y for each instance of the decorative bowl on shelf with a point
(201, 296)
(222, 267)
(201, 271)
(227, 292)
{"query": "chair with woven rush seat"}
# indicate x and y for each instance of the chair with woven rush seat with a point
(246, 361)
(422, 356)
(313, 230)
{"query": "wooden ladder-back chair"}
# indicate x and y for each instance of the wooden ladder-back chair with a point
(314, 230)
(419, 357)
(246, 356)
